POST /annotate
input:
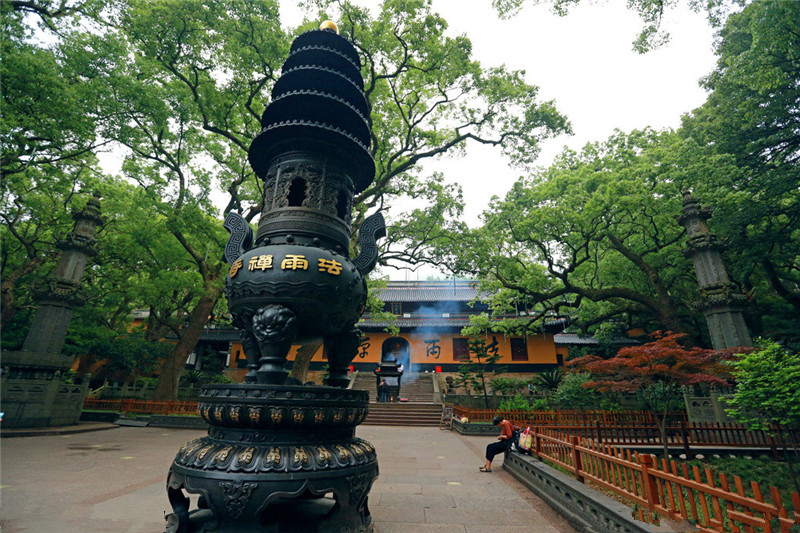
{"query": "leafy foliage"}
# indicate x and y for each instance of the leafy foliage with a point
(517, 403)
(664, 360)
(464, 379)
(571, 393)
(550, 380)
(594, 237)
(766, 387)
(507, 386)
(767, 471)
(475, 371)
(750, 119)
(428, 98)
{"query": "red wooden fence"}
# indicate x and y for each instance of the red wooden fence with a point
(630, 428)
(143, 406)
(668, 490)
(565, 417)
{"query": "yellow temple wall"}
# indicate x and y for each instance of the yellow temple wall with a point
(541, 351)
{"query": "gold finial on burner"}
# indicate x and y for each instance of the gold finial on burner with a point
(329, 25)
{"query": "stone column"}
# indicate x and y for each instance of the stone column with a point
(720, 301)
(60, 296)
(31, 389)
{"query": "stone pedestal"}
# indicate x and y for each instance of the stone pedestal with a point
(36, 396)
(277, 458)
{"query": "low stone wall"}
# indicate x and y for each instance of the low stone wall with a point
(29, 403)
(588, 510)
(476, 429)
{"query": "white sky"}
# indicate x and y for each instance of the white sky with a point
(585, 62)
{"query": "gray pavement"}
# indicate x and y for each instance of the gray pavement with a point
(114, 481)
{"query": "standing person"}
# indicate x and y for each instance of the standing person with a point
(504, 441)
(383, 391)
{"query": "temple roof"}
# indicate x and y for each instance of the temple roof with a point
(429, 291)
(574, 338)
(425, 322)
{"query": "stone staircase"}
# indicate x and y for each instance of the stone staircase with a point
(416, 388)
(419, 410)
(366, 381)
(403, 414)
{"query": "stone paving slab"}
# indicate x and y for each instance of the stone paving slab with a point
(114, 482)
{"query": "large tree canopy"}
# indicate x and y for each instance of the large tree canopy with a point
(752, 117)
(594, 236)
(428, 98)
(48, 143)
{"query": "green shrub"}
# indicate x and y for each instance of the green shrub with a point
(221, 378)
(145, 382)
(540, 404)
(507, 386)
(517, 403)
(571, 393)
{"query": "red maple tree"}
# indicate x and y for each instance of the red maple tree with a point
(656, 371)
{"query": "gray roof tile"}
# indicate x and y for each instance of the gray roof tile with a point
(429, 291)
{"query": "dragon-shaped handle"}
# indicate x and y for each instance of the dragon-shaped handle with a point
(241, 238)
(372, 229)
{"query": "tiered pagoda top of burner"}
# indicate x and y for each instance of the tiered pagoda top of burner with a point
(318, 104)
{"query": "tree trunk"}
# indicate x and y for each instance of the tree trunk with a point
(302, 360)
(777, 285)
(786, 436)
(661, 422)
(171, 368)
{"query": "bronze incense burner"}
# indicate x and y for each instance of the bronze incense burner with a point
(281, 456)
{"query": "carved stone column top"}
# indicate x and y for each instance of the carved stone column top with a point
(693, 216)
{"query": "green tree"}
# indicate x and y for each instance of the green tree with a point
(183, 88)
(464, 379)
(550, 380)
(482, 361)
(767, 397)
(180, 86)
(47, 137)
(571, 393)
(751, 119)
(593, 237)
(429, 98)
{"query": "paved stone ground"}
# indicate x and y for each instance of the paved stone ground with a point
(114, 481)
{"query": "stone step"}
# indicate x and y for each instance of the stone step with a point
(403, 414)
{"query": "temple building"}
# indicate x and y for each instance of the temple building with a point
(429, 317)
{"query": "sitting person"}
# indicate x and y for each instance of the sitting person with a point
(506, 433)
